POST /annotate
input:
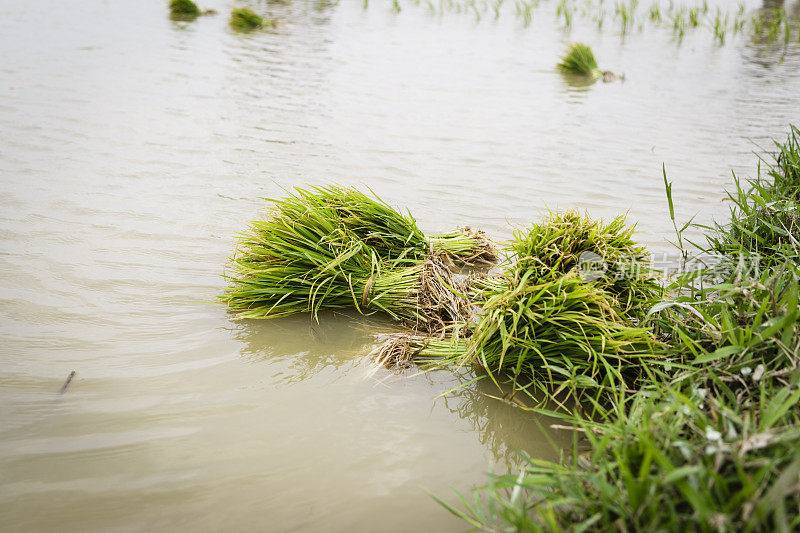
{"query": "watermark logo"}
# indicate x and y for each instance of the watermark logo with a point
(591, 266)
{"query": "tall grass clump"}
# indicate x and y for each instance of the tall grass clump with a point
(685, 461)
(764, 221)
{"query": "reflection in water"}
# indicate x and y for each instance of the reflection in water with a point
(504, 428)
(304, 347)
(301, 348)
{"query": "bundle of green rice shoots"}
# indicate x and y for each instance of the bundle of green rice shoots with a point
(579, 59)
(184, 8)
(396, 235)
(545, 326)
(244, 18)
(559, 331)
(556, 335)
(604, 255)
(333, 248)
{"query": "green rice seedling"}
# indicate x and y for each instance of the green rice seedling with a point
(184, 9)
(678, 25)
(392, 235)
(738, 24)
(579, 59)
(277, 275)
(655, 13)
(496, 5)
(773, 29)
(525, 10)
(245, 19)
(559, 244)
(757, 26)
(563, 10)
(626, 13)
(563, 334)
(720, 27)
(332, 247)
(787, 33)
(694, 17)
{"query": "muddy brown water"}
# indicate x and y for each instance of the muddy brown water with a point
(134, 148)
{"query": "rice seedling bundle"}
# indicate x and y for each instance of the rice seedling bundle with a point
(564, 333)
(244, 18)
(579, 59)
(391, 234)
(404, 350)
(559, 244)
(333, 248)
(185, 8)
(541, 321)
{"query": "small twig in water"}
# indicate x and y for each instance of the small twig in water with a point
(66, 383)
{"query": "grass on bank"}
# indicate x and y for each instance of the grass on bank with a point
(710, 441)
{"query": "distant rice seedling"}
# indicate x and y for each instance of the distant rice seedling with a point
(184, 8)
(579, 59)
(244, 18)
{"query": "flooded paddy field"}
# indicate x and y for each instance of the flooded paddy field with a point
(135, 147)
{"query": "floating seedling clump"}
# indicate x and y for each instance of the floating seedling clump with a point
(579, 60)
(542, 323)
(333, 248)
(184, 8)
(569, 242)
(244, 19)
